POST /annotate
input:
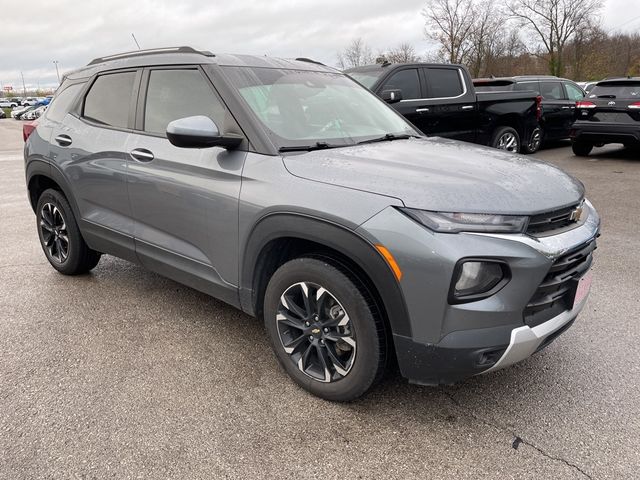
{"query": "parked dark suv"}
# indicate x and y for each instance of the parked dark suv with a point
(610, 114)
(288, 190)
(559, 97)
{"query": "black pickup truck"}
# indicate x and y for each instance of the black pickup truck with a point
(441, 101)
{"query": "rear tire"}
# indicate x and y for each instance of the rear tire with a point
(534, 143)
(506, 138)
(60, 236)
(581, 149)
(324, 330)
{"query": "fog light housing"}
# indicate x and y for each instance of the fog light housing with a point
(475, 279)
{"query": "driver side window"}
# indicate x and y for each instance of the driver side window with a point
(407, 81)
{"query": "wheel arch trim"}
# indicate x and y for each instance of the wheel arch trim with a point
(282, 225)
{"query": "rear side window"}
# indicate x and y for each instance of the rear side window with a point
(174, 94)
(552, 90)
(62, 102)
(573, 92)
(407, 81)
(528, 87)
(444, 83)
(627, 90)
(109, 99)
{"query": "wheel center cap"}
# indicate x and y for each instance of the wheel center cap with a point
(316, 332)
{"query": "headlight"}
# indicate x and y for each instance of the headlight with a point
(447, 222)
(476, 279)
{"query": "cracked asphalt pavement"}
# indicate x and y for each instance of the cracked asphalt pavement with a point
(124, 374)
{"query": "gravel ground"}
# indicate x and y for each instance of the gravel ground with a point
(124, 374)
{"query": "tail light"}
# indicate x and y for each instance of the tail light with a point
(538, 107)
(635, 106)
(28, 128)
(585, 104)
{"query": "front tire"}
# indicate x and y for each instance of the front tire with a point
(60, 236)
(581, 149)
(324, 329)
(506, 138)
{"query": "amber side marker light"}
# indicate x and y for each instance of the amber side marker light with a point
(390, 260)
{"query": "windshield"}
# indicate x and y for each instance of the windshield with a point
(302, 107)
(628, 90)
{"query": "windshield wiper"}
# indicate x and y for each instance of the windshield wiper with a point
(388, 137)
(308, 148)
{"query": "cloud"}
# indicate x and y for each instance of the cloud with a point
(75, 31)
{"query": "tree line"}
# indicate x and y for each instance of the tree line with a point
(515, 37)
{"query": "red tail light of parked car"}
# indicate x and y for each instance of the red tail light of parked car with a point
(28, 128)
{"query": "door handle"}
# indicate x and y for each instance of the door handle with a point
(467, 107)
(63, 140)
(141, 155)
(422, 110)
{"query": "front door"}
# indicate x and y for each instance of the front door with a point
(184, 201)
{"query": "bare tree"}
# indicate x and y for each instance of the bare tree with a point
(554, 23)
(450, 22)
(403, 53)
(355, 55)
(488, 38)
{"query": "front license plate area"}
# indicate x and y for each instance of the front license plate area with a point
(584, 286)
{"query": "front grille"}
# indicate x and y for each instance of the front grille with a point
(558, 288)
(552, 221)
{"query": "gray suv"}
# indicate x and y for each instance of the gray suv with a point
(286, 189)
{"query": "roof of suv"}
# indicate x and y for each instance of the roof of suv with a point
(190, 56)
(519, 78)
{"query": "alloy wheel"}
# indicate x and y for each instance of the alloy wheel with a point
(55, 237)
(508, 142)
(316, 332)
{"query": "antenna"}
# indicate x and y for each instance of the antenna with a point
(135, 40)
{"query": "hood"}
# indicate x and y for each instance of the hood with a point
(443, 175)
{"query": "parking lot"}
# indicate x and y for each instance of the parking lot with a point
(122, 373)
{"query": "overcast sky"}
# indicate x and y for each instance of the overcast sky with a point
(75, 31)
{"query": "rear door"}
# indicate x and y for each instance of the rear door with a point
(557, 111)
(452, 106)
(89, 147)
(185, 201)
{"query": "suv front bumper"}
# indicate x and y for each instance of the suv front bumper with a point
(451, 342)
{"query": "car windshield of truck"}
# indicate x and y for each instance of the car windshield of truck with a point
(325, 109)
(625, 90)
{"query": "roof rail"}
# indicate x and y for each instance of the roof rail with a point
(308, 60)
(152, 51)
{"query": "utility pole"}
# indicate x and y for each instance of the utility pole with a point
(56, 62)
(24, 87)
(135, 40)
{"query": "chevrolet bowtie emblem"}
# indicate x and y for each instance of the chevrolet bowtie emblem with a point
(576, 214)
(315, 331)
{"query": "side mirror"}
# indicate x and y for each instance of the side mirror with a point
(391, 96)
(199, 132)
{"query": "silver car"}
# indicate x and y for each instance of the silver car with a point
(287, 190)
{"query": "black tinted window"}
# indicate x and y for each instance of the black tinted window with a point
(407, 81)
(109, 99)
(62, 102)
(444, 82)
(552, 90)
(628, 90)
(174, 94)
